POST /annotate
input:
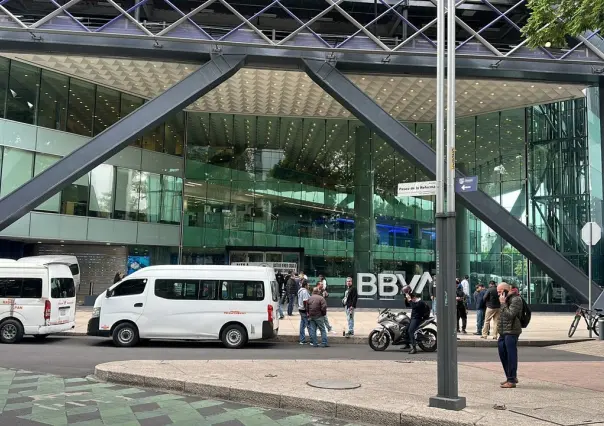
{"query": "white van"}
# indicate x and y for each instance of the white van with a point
(234, 304)
(35, 300)
(70, 261)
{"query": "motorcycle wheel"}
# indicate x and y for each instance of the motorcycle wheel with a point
(428, 343)
(381, 344)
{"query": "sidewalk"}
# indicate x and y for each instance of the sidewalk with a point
(545, 328)
(390, 392)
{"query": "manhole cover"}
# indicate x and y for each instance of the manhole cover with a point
(333, 384)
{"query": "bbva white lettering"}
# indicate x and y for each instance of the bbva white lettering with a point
(389, 285)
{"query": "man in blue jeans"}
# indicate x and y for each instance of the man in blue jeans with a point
(291, 289)
(481, 307)
(349, 302)
(510, 329)
(303, 297)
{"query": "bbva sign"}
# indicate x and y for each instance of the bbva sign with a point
(389, 285)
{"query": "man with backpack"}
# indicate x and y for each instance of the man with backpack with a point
(513, 317)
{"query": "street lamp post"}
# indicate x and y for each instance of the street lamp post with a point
(448, 395)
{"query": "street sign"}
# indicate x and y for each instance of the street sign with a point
(466, 184)
(591, 233)
(417, 189)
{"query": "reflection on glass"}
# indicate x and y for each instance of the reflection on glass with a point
(22, 96)
(153, 140)
(150, 197)
(101, 191)
(129, 104)
(41, 163)
(54, 92)
(4, 66)
(106, 109)
(127, 190)
(17, 167)
(171, 205)
(74, 198)
(80, 107)
(174, 134)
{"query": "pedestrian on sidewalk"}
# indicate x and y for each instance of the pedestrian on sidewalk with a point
(303, 297)
(349, 302)
(317, 312)
(433, 295)
(291, 288)
(493, 305)
(420, 311)
(480, 308)
(465, 283)
(462, 312)
(510, 328)
(323, 292)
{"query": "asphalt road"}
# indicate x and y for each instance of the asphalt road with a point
(77, 356)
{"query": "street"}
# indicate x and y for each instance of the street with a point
(77, 356)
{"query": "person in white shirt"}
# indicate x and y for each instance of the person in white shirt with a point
(465, 283)
(303, 297)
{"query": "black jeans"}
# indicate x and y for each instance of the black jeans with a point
(463, 314)
(508, 354)
(413, 326)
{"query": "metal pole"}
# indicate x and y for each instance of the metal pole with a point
(137, 11)
(589, 270)
(447, 397)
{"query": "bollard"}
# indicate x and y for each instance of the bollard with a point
(601, 328)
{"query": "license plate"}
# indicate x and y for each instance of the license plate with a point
(63, 311)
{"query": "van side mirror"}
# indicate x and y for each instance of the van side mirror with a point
(109, 294)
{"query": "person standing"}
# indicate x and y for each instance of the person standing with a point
(291, 287)
(491, 299)
(420, 311)
(303, 297)
(465, 283)
(317, 312)
(480, 308)
(321, 287)
(462, 313)
(349, 301)
(433, 295)
(510, 328)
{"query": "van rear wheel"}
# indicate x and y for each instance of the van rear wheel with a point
(11, 331)
(125, 335)
(234, 337)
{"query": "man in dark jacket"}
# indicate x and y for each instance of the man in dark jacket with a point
(491, 299)
(480, 308)
(349, 302)
(510, 329)
(462, 312)
(420, 311)
(291, 287)
(317, 312)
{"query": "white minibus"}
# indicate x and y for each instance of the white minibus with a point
(233, 304)
(35, 300)
(70, 261)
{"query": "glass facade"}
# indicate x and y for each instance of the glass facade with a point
(320, 193)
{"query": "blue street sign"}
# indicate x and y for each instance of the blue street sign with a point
(466, 184)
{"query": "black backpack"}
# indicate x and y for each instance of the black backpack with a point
(525, 315)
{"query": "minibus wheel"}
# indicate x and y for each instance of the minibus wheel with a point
(125, 335)
(11, 331)
(234, 336)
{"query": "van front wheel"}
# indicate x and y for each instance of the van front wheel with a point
(11, 331)
(125, 335)
(234, 337)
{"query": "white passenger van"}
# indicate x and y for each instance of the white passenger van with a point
(35, 300)
(233, 304)
(70, 261)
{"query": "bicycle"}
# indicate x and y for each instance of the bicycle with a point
(591, 319)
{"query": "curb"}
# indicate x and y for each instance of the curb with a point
(366, 415)
(357, 340)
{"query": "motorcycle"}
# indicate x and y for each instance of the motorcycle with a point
(392, 329)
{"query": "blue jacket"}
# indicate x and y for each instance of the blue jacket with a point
(479, 301)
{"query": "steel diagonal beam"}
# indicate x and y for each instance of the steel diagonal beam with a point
(423, 156)
(246, 21)
(309, 23)
(126, 14)
(57, 12)
(115, 138)
(185, 17)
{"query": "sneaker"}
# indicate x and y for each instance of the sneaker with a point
(324, 346)
(477, 334)
(303, 343)
(464, 332)
(315, 346)
(413, 351)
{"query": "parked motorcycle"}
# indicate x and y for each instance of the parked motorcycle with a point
(392, 329)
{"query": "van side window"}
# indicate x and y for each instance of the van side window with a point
(130, 288)
(61, 288)
(177, 289)
(207, 291)
(241, 290)
(26, 288)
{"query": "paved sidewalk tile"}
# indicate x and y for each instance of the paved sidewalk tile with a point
(28, 399)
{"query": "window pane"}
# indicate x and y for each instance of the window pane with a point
(61, 288)
(150, 197)
(53, 100)
(129, 104)
(242, 290)
(16, 170)
(106, 109)
(4, 64)
(208, 290)
(22, 93)
(74, 198)
(79, 110)
(42, 162)
(101, 191)
(32, 288)
(10, 287)
(171, 199)
(129, 288)
(153, 140)
(127, 188)
(175, 134)
(177, 289)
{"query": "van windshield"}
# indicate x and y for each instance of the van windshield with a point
(61, 288)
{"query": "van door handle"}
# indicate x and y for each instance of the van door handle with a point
(138, 305)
